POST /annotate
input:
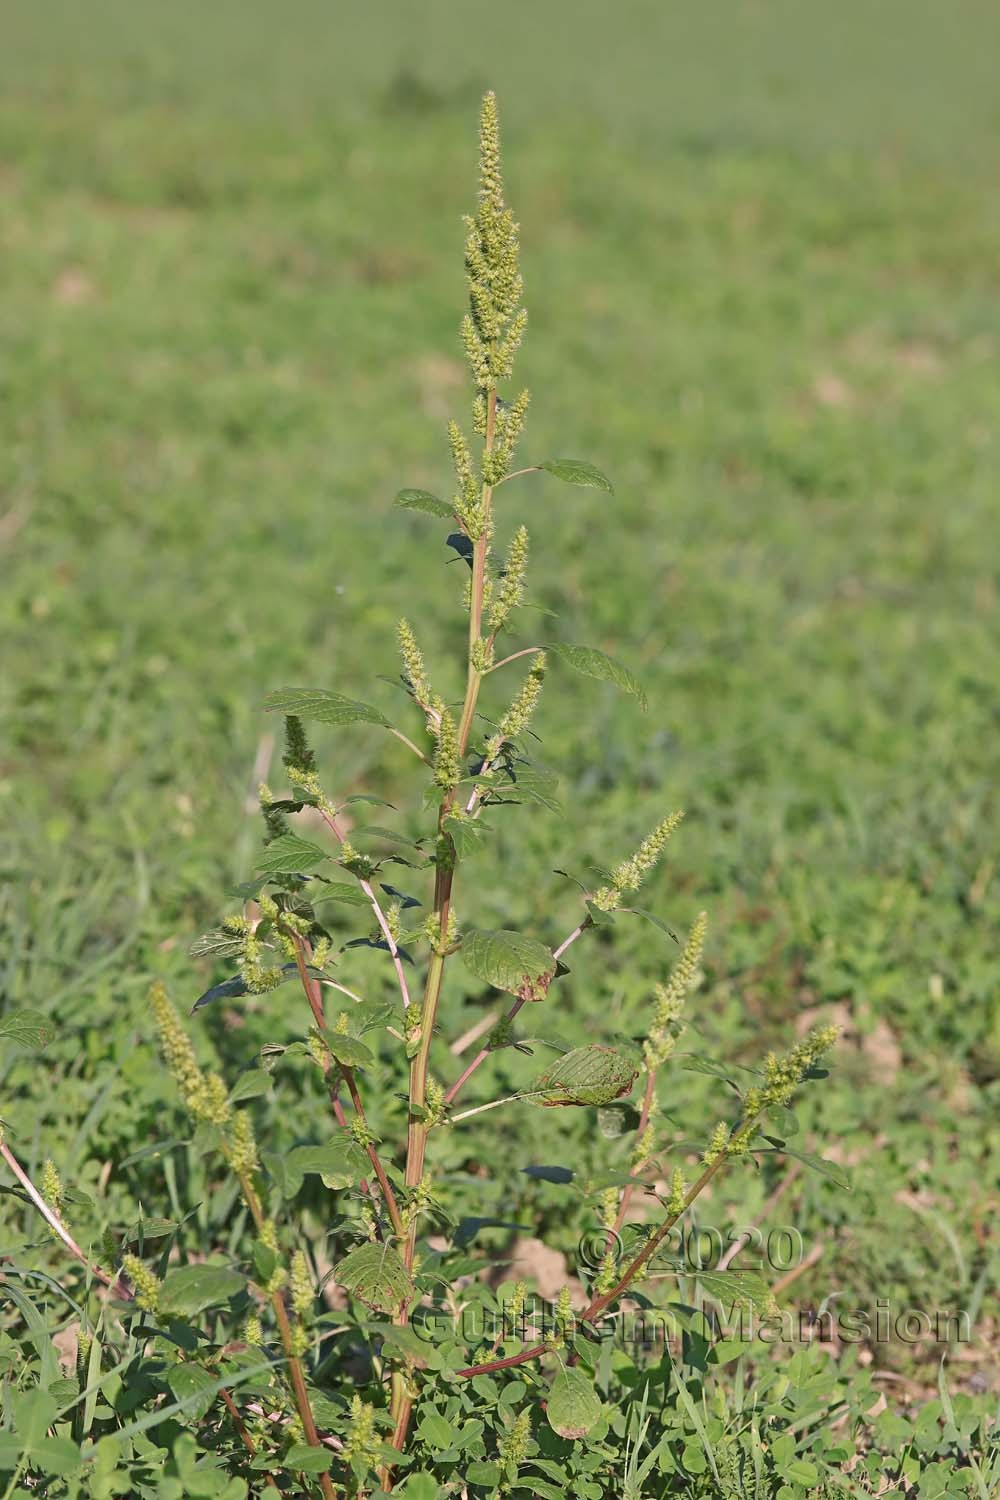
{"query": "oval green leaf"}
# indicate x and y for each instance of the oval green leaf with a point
(593, 663)
(510, 961)
(575, 471)
(375, 1274)
(573, 1407)
(586, 1076)
(188, 1290)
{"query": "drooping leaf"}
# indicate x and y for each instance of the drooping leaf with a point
(510, 961)
(639, 911)
(831, 1169)
(575, 471)
(27, 1028)
(586, 1076)
(322, 707)
(188, 1290)
(550, 1174)
(227, 989)
(375, 1274)
(423, 500)
(459, 542)
(593, 663)
(290, 855)
(574, 1406)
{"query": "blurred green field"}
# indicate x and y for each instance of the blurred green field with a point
(760, 248)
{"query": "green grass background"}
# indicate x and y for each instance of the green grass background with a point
(760, 250)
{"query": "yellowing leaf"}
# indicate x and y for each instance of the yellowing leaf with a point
(573, 1407)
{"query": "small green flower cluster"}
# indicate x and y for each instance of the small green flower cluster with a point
(52, 1189)
(417, 681)
(507, 428)
(447, 761)
(510, 588)
(512, 1449)
(257, 974)
(205, 1096)
(361, 1445)
(629, 875)
(518, 716)
(145, 1283)
(494, 325)
(670, 998)
(302, 1296)
(782, 1076)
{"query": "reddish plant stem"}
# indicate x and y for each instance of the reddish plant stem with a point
(300, 1391)
(597, 1305)
(388, 1195)
(244, 1436)
(416, 1143)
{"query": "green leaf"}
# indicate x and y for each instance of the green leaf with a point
(192, 1381)
(593, 663)
(217, 944)
(348, 1050)
(250, 1085)
(34, 1412)
(726, 1350)
(188, 1290)
(830, 1169)
(574, 1406)
(425, 501)
(510, 961)
(575, 471)
(340, 891)
(322, 707)
(738, 1289)
(801, 1471)
(375, 1274)
(28, 1028)
(56, 1455)
(484, 1473)
(340, 1163)
(290, 855)
(308, 1459)
(436, 1430)
(421, 1486)
(587, 1075)
(467, 834)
